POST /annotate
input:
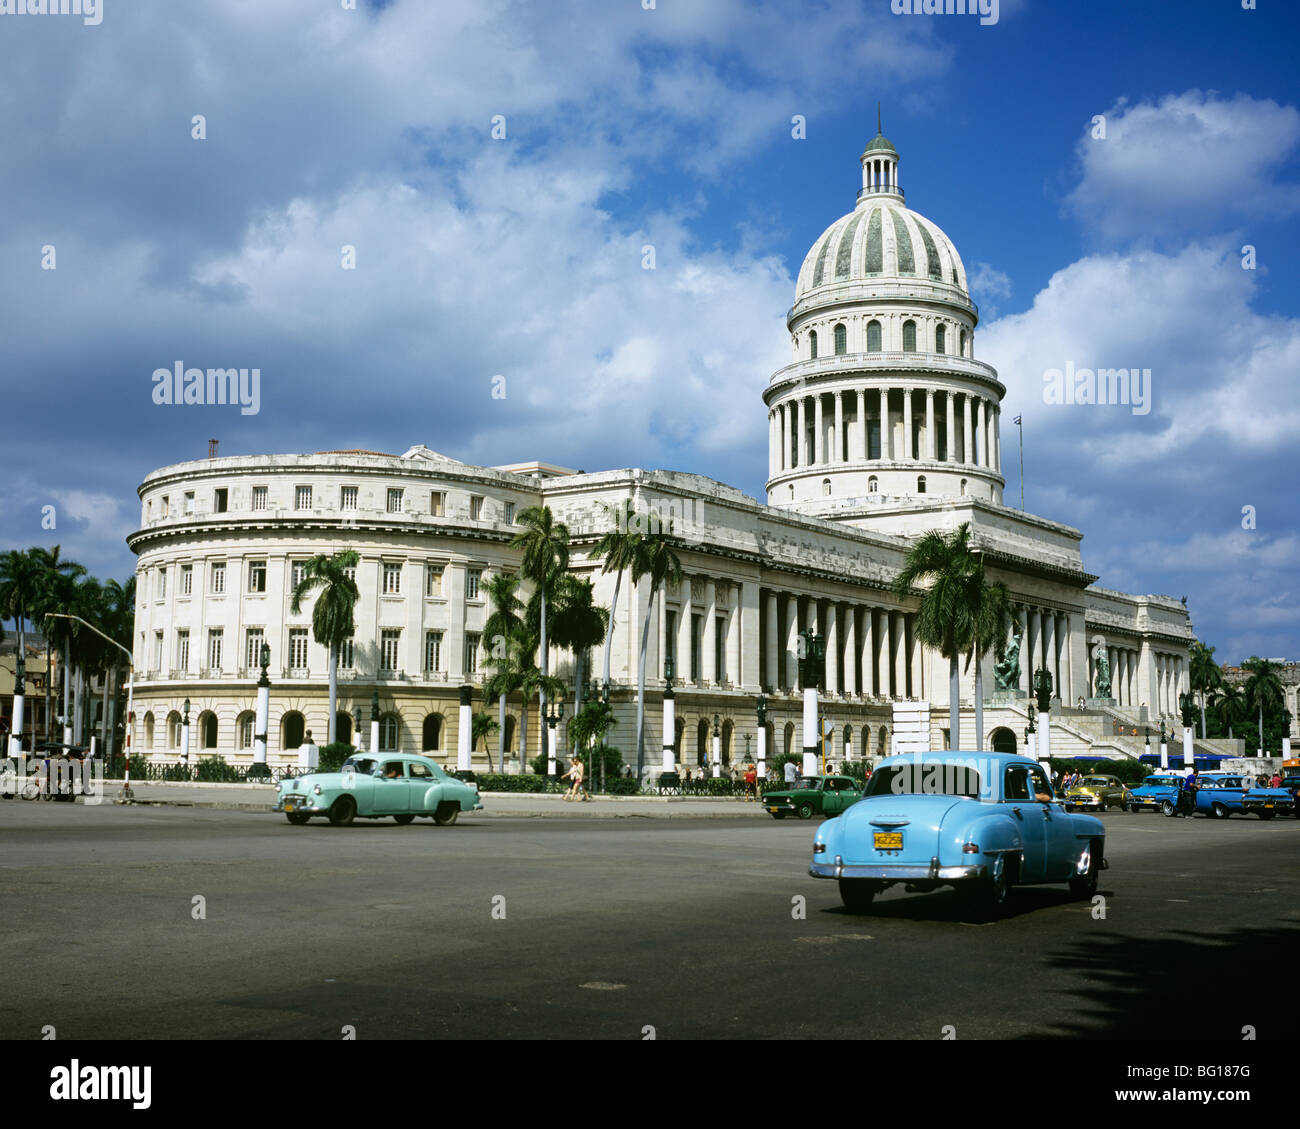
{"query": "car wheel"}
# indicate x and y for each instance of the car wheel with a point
(343, 812)
(983, 899)
(778, 815)
(446, 815)
(1086, 886)
(297, 818)
(1220, 812)
(1167, 808)
(857, 894)
(1267, 814)
(404, 819)
(805, 811)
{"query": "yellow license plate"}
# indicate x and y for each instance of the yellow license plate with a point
(1268, 805)
(889, 840)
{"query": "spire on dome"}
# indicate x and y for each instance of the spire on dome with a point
(879, 164)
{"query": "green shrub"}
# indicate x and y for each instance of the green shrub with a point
(258, 770)
(505, 783)
(215, 770)
(333, 756)
(620, 786)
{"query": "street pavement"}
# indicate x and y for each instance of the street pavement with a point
(504, 926)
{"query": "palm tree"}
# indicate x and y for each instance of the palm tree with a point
(1229, 706)
(992, 604)
(88, 604)
(119, 616)
(1263, 689)
(545, 546)
(1204, 675)
(332, 619)
(56, 585)
(618, 548)
(503, 627)
(21, 584)
(656, 559)
(483, 725)
(946, 619)
(578, 625)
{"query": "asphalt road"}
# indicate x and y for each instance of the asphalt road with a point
(608, 928)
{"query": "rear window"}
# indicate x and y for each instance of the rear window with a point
(933, 779)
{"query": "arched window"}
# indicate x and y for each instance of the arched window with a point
(244, 731)
(727, 729)
(963, 488)
(963, 342)
(148, 730)
(848, 741)
(702, 746)
(826, 487)
(909, 337)
(872, 484)
(173, 730)
(920, 484)
(390, 728)
(789, 737)
(940, 339)
(873, 337)
(841, 339)
(510, 732)
(812, 344)
(207, 730)
(291, 730)
(431, 739)
(343, 727)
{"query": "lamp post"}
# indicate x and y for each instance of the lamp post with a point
(554, 713)
(670, 716)
(263, 717)
(761, 705)
(20, 683)
(356, 728)
(1187, 706)
(465, 733)
(717, 747)
(185, 735)
(374, 721)
(1164, 748)
(1030, 734)
(814, 652)
(1043, 691)
(1147, 730)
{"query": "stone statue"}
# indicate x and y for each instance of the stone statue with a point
(1006, 674)
(1102, 664)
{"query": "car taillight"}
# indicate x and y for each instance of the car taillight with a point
(971, 849)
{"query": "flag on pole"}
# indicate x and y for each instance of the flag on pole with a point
(1016, 420)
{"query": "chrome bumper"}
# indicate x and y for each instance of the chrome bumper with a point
(933, 872)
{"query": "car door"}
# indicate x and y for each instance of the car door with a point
(390, 794)
(832, 802)
(423, 781)
(1060, 846)
(1019, 801)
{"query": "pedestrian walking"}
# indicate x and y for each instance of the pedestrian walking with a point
(751, 783)
(791, 774)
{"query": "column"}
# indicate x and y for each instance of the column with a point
(930, 445)
(709, 644)
(966, 456)
(1026, 650)
(882, 653)
(952, 427)
(862, 421)
(918, 661)
(791, 641)
(785, 437)
(832, 648)
(898, 642)
(662, 617)
(981, 453)
(850, 651)
(735, 625)
(772, 444)
(837, 442)
(997, 439)
(886, 444)
(819, 428)
(685, 619)
(800, 434)
(907, 424)
(773, 632)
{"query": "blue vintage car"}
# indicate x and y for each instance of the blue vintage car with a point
(1155, 792)
(387, 784)
(982, 822)
(1220, 794)
(1268, 802)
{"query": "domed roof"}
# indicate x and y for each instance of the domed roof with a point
(879, 144)
(881, 240)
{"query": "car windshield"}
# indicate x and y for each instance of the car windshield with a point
(808, 783)
(358, 764)
(1096, 782)
(931, 779)
(1159, 781)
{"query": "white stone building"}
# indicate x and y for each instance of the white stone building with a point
(884, 425)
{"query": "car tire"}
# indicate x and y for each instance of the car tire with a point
(343, 812)
(446, 815)
(805, 811)
(1267, 814)
(404, 819)
(1086, 886)
(985, 899)
(297, 818)
(1168, 808)
(857, 894)
(778, 815)
(1220, 812)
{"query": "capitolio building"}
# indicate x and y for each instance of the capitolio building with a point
(883, 425)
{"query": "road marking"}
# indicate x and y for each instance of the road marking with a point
(602, 986)
(834, 938)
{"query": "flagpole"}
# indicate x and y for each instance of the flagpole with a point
(1019, 421)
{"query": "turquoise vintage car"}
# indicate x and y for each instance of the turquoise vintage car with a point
(399, 785)
(982, 822)
(1156, 793)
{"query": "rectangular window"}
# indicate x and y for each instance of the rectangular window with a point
(436, 500)
(302, 498)
(257, 576)
(394, 501)
(510, 513)
(187, 579)
(157, 650)
(297, 570)
(182, 650)
(162, 584)
(214, 648)
(165, 507)
(433, 650)
(259, 497)
(298, 648)
(471, 653)
(220, 500)
(389, 643)
(392, 580)
(218, 578)
(473, 577)
(246, 732)
(348, 498)
(189, 501)
(475, 507)
(253, 641)
(347, 654)
(433, 580)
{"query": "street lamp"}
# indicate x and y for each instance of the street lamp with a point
(374, 721)
(263, 717)
(1030, 734)
(554, 714)
(760, 705)
(185, 735)
(670, 718)
(811, 671)
(1043, 691)
(1164, 747)
(356, 727)
(717, 746)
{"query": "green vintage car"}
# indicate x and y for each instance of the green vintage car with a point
(398, 785)
(820, 795)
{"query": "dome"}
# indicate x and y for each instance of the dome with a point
(879, 144)
(881, 240)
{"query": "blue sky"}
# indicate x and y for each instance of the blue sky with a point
(670, 126)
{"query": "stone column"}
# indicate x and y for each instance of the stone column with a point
(886, 444)
(907, 424)
(862, 421)
(832, 648)
(1026, 652)
(735, 627)
(685, 630)
(709, 644)
(785, 437)
(819, 428)
(952, 427)
(918, 661)
(997, 439)
(791, 641)
(982, 451)
(800, 433)
(773, 637)
(837, 445)
(850, 651)
(966, 455)
(883, 660)
(898, 630)
(930, 446)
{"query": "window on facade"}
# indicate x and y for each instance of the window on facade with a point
(220, 500)
(257, 576)
(510, 513)
(218, 578)
(259, 497)
(187, 579)
(351, 573)
(436, 500)
(473, 577)
(471, 652)
(433, 580)
(157, 650)
(841, 340)
(432, 650)
(246, 730)
(963, 342)
(215, 635)
(302, 498)
(348, 498)
(394, 501)
(164, 507)
(389, 643)
(873, 337)
(392, 579)
(347, 654)
(189, 501)
(963, 487)
(920, 484)
(872, 485)
(812, 345)
(940, 339)
(475, 507)
(909, 337)
(297, 570)
(182, 650)
(162, 584)
(298, 648)
(254, 637)
(389, 729)
(826, 486)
